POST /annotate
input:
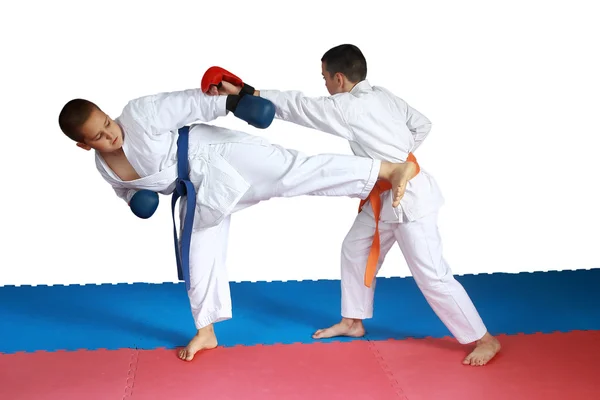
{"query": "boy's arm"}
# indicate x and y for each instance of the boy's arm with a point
(125, 194)
(143, 203)
(418, 124)
(165, 112)
(320, 113)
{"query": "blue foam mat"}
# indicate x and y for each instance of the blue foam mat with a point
(148, 316)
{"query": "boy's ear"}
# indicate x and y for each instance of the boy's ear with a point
(83, 146)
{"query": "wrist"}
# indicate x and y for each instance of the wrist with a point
(246, 89)
(232, 102)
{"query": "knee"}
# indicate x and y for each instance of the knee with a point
(352, 252)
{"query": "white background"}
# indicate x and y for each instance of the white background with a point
(511, 88)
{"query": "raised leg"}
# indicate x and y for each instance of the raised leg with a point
(273, 171)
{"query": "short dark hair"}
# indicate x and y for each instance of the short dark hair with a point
(348, 60)
(73, 116)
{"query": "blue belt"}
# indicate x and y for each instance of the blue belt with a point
(183, 187)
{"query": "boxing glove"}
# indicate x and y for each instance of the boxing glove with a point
(144, 203)
(255, 110)
(216, 75)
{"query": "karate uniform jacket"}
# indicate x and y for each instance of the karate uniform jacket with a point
(150, 130)
(378, 125)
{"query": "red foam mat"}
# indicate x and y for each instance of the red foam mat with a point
(291, 372)
(529, 367)
(78, 375)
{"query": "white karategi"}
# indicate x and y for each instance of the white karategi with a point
(382, 126)
(230, 170)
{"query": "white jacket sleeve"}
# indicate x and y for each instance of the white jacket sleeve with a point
(125, 194)
(418, 125)
(320, 113)
(166, 112)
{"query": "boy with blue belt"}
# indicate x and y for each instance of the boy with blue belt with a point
(225, 171)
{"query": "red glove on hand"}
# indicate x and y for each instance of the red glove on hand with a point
(215, 75)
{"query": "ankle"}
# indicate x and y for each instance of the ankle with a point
(487, 338)
(208, 329)
(350, 321)
(385, 170)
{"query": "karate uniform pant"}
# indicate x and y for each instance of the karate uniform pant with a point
(272, 171)
(421, 246)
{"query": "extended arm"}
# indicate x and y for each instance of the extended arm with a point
(165, 112)
(320, 113)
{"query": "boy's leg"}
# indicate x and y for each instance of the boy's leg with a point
(421, 245)
(209, 294)
(357, 299)
(273, 171)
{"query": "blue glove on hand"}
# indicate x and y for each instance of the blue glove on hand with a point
(144, 203)
(255, 110)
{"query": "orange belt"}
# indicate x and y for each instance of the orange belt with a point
(375, 199)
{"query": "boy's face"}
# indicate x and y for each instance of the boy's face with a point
(335, 83)
(101, 133)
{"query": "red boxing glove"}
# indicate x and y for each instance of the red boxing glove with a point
(215, 75)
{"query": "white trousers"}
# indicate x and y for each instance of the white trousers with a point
(272, 171)
(421, 246)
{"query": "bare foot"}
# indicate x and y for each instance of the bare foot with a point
(347, 327)
(487, 347)
(205, 339)
(398, 174)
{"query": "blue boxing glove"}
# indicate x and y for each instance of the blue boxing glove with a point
(255, 110)
(144, 203)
